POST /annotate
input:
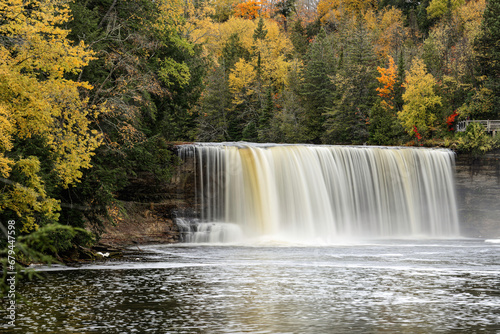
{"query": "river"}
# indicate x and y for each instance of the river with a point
(396, 286)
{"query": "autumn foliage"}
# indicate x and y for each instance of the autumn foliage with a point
(450, 120)
(39, 104)
(249, 10)
(335, 10)
(421, 101)
(92, 93)
(387, 79)
(417, 134)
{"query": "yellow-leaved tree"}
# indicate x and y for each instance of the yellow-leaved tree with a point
(44, 124)
(250, 69)
(438, 8)
(334, 10)
(418, 116)
(268, 62)
(241, 81)
(388, 30)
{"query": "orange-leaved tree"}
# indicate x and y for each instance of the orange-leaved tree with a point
(250, 9)
(387, 79)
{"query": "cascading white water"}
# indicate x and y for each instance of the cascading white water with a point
(312, 193)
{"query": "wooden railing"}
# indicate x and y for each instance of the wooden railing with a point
(491, 126)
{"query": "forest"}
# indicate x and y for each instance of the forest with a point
(93, 92)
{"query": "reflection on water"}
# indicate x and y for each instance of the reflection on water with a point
(404, 287)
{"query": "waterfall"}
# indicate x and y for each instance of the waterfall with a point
(311, 193)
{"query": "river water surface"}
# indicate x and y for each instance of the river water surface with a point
(402, 286)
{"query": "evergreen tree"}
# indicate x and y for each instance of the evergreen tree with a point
(299, 38)
(285, 8)
(424, 23)
(488, 53)
(214, 108)
(236, 126)
(317, 88)
(288, 123)
(260, 32)
(348, 117)
(250, 133)
(266, 115)
(233, 50)
(399, 85)
(384, 126)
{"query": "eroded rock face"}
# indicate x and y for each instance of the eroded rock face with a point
(478, 191)
(150, 208)
(143, 223)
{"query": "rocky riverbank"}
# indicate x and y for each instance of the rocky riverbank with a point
(150, 207)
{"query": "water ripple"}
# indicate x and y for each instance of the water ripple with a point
(445, 286)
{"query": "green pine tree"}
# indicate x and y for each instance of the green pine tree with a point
(298, 37)
(384, 127)
(250, 133)
(233, 50)
(400, 79)
(348, 116)
(317, 88)
(260, 32)
(266, 115)
(487, 46)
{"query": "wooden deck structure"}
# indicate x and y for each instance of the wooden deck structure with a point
(492, 126)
